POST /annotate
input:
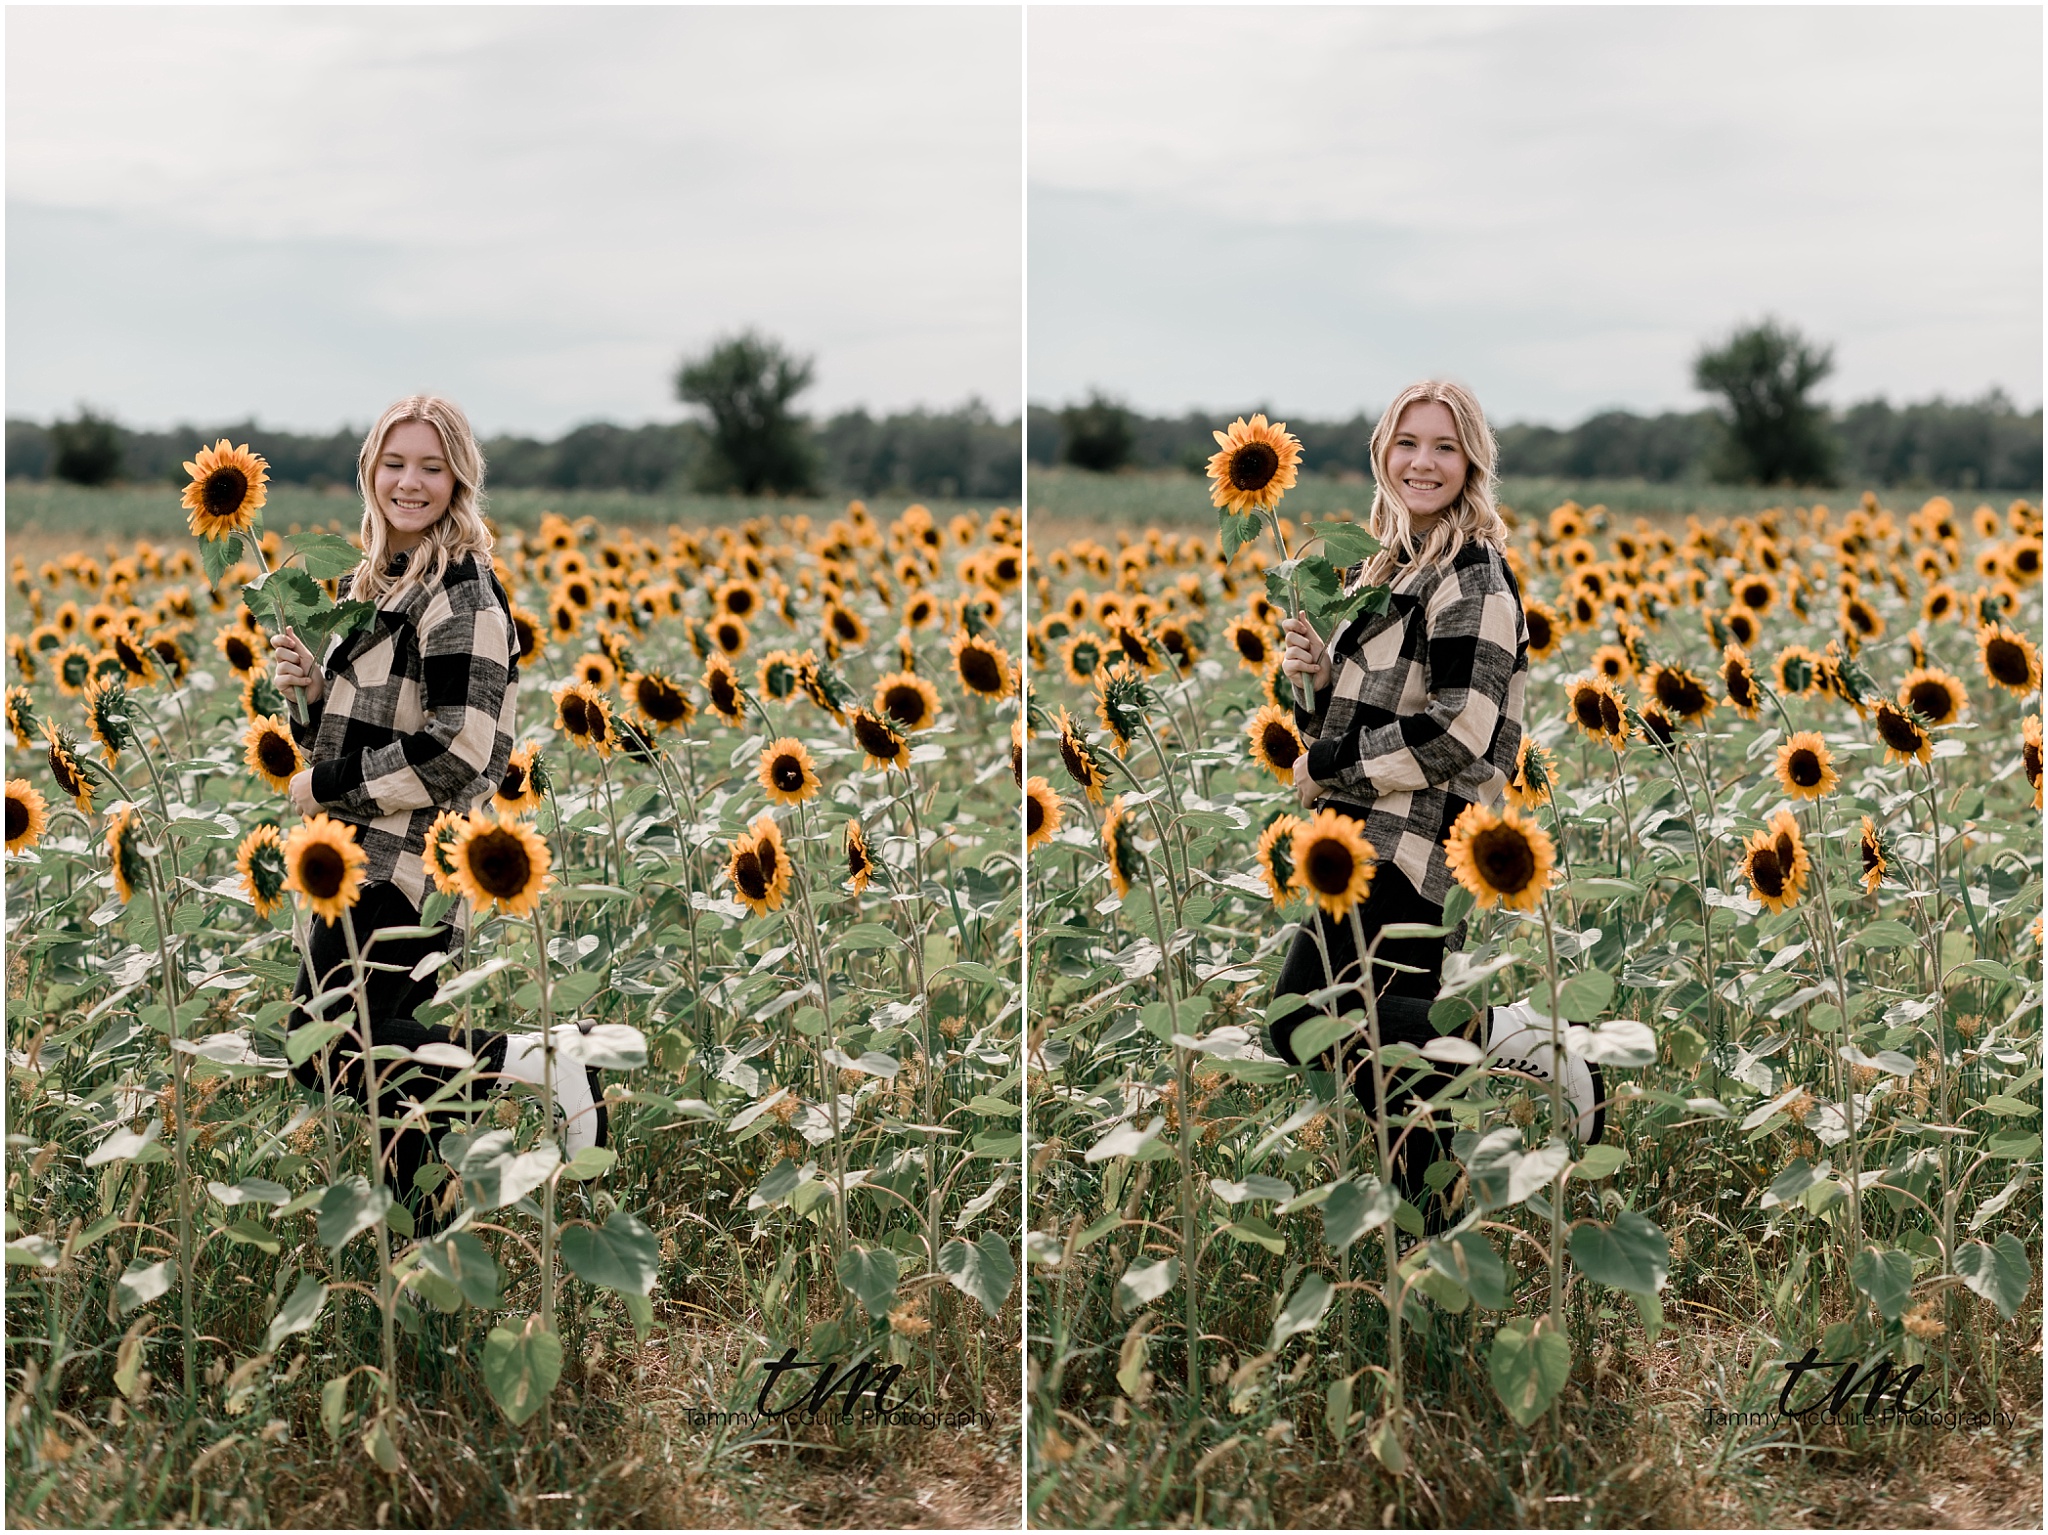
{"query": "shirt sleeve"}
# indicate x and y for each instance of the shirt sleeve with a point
(1472, 631)
(465, 653)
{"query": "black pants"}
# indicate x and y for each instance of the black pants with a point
(392, 996)
(1403, 1004)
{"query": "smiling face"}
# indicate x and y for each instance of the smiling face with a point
(1425, 458)
(414, 482)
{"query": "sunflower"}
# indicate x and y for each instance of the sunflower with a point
(1796, 670)
(1041, 814)
(169, 651)
(1255, 467)
(106, 710)
(1904, 734)
(1738, 681)
(71, 774)
(583, 715)
(1654, 726)
(921, 610)
(439, 853)
(525, 783)
(1879, 849)
(242, 650)
(1017, 748)
(907, 701)
(1757, 592)
(21, 717)
(658, 702)
(1534, 776)
(596, 668)
(122, 854)
(1935, 695)
(1276, 856)
(500, 863)
(1769, 880)
(759, 866)
(845, 626)
(1081, 658)
(1612, 662)
(2009, 659)
(1250, 641)
(982, 666)
(271, 753)
(825, 687)
(884, 746)
(729, 634)
(138, 661)
(1740, 624)
(786, 773)
(2030, 754)
(860, 863)
(1275, 743)
(526, 632)
(71, 669)
(1860, 619)
(1120, 848)
(1546, 629)
(1681, 694)
(721, 686)
(1794, 862)
(1500, 857)
(1177, 644)
(1333, 862)
(1940, 602)
(1120, 700)
(1805, 768)
(226, 492)
(1597, 709)
(1079, 759)
(324, 863)
(738, 599)
(28, 818)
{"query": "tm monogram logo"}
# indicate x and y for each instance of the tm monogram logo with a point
(863, 1377)
(1835, 1400)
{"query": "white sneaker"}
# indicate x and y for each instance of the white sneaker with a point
(575, 1091)
(1518, 1039)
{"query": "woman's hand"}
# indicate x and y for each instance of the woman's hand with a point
(1305, 655)
(295, 667)
(302, 793)
(1306, 789)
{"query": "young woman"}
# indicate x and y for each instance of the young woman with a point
(410, 715)
(1418, 714)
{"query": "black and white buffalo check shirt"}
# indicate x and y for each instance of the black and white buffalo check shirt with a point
(1424, 712)
(419, 717)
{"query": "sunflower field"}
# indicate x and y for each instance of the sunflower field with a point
(756, 860)
(1772, 859)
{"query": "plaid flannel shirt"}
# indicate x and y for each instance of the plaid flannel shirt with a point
(1423, 714)
(418, 717)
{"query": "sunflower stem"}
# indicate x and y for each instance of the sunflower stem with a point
(1557, 1121)
(297, 695)
(827, 1083)
(547, 1088)
(1846, 1071)
(181, 1140)
(1183, 1088)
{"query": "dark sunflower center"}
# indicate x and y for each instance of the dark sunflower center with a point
(1329, 866)
(1086, 658)
(65, 773)
(788, 773)
(1766, 873)
(576, 716)
(921, 610)
(845, 626)
(1505, 859)
(1252, 646)
(1253, 466)
(856, 857)
(1610, 714)
(1804, 768)
(1281, 745)
(1787, 850)
(876, 739)
(739, 603)
(2030, 756)
(979, 671)
(1896, 730)
(277, 754)
(240, 656)
(17, 818)
(769, 855)
(728, 637)
(659, 701)
(1755, 595)
(1034, 815)
(725, 697)
(1076, 764)
(1736, 679)
(223, 492)
(2007, 662)
(514, 783)
(1586, 708)
(321, 869)
(1539, 631)
(746, 873)
(1930, 699)
(904, 704)
(498, 862)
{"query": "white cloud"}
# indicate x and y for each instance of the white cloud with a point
(540, 208)
(1558, 204)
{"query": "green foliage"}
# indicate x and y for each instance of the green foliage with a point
(747, 384)
(1096, 436)
(1777, 435)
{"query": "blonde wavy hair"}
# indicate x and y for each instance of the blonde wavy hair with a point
(1474, 516)
(460, 530)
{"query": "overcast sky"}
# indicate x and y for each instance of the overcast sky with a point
(1312, 207)
(301, 213)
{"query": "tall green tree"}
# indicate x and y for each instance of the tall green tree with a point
(1775, 433)
(1098, 435)
(86, 451)
(747, 384)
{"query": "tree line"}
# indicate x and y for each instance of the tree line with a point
(753, 441)
(1767, 430)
